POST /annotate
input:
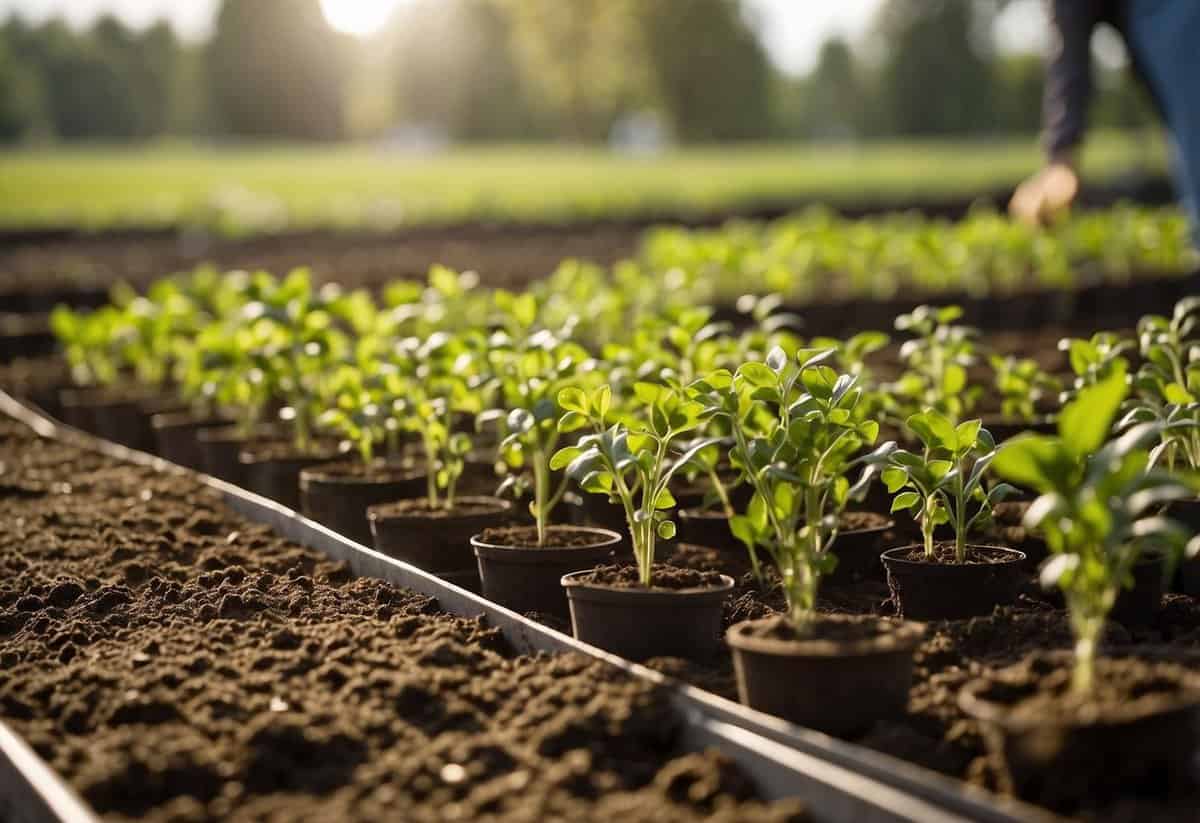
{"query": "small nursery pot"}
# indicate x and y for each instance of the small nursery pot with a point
(705, 527)
(640, 623)
(1187, 512)
(338, 495)
(272, 468)
(857, 552)
(849, 674)
(527, 578)
(220, 447)
(176, 437)
(925, 590)
(1065, 759)
(1138, 606)
(109, 414)
(437, 541)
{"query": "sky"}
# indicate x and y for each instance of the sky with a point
(793, 29)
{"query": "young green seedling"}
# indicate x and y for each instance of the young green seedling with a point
(631, 462)
(936, 362)
(1096, 508)
(796, 440)
(1093, 360)
(1022, 385)
(945, 483)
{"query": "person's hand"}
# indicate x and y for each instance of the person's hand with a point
(1046, 195)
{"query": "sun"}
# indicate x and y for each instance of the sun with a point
(359, 17)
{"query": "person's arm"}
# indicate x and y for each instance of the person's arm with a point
(1065, 101)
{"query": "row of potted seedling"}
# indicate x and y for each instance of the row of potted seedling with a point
(786, 437)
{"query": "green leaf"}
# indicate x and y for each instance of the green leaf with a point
(1029, 460)
(967, 433)
(573, 399)
(905, 500)
(954, 379)
(1084, 423)
(666, 529)
(572, 421)
(757, 374)
(602, 400)
(563, 457)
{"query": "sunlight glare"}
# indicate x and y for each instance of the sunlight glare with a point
(359, 17)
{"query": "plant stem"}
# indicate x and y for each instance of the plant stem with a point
(1087, 637)
(431, 487)
(541, 491)
(726, 506)
(927, 526)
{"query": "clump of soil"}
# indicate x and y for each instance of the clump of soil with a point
(833, 628)
(557, 537)
(853, 521)
(662, 576)
(175, 662)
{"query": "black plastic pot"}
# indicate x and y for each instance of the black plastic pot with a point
(705, 527)
(529, 578)
(176, 437)
(108, 414)
(952, 591)
(338, 495)
(596, 510)
(1187, 512)
(438, 543)
(221, 446)
(839, 687)
(858, 553)
(272, 469)
(1137, 607)
(638, 624)
(1064, 764)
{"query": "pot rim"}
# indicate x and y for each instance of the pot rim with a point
(700, 513)
(500, 506)
(185, 419)
(900, 636)
(1002, 716)
(607, 539)
(1017, 556)
(573, 585)
(331, 474)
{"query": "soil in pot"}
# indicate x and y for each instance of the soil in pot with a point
(859, 543)
(338, 495)
(842, 677)
(520, 575)
(176, 436)
(272, 468)
(941, 589)
(221, 446)
(1137, 734)
(437, 540)
(679, 615)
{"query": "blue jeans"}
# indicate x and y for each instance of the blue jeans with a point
(1165, 36)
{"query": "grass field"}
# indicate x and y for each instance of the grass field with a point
(272, 187)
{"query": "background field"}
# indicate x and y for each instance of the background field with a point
(275, 186)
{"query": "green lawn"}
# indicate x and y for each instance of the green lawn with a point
(257, 188)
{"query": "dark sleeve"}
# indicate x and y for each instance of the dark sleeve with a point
(1068, 73)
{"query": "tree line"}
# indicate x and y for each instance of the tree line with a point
(479, 70)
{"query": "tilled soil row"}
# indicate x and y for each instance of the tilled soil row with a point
(173, 661)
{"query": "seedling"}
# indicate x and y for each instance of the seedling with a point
(936, 362)
(632, 463)
(945, 483)
(1167, 385)
(1096, 509)
(1093, 360)
(91, 343)
(531, 375)
(796, 440)
(1022, 385)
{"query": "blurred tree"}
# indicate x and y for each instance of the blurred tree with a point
(934, 68)
(455, 68)
(276, 68)
(707, 68)
(20, 96)
(831, 102)
(580, 60)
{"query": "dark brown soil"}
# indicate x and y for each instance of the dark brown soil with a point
(356, 471)
(420, 508)
(861, 521)
(662, 576)
(284, 450)
(943, 553)
(1039, 689)
(174, 662)
(557, 537)
(834, 628)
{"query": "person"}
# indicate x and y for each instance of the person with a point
(1163, 39)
